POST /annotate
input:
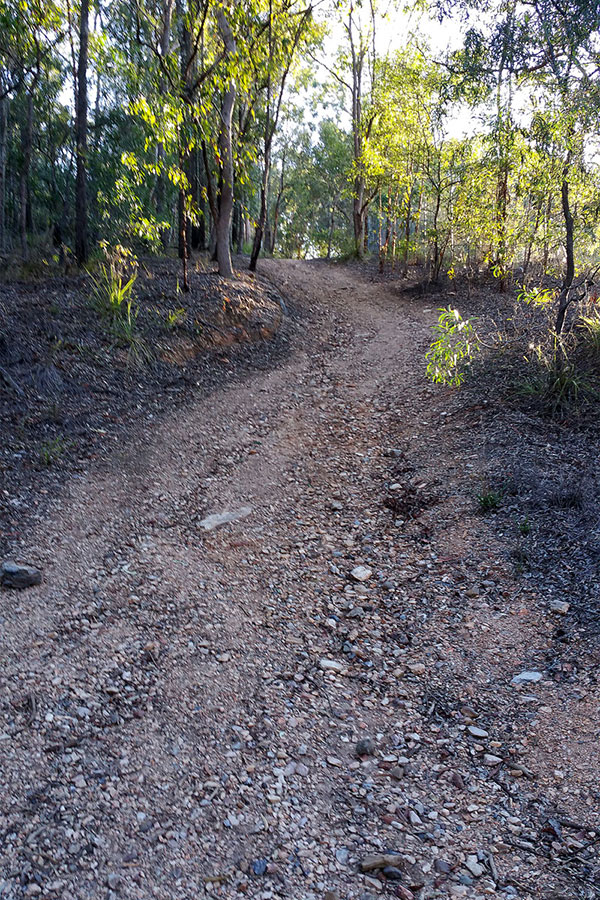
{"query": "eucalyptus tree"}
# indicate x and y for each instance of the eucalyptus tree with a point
(551, 46)
(287, 27)
(29, 35)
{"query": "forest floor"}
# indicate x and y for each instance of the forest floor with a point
(316, 699)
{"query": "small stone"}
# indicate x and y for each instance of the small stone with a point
(334, 761)
(337, 504)
(361, 573)
(365, 747)
(342, 854)
(443, 867)
(332, 665)
(301, 770)
(79, 781)
(490, 760)
(472, 592)
(476, 732)
(19, 575)
(560, 607)
(404, 893)
(417, 668)
(331, 895)
(527, 678)
(474, 867)
(458, 781)
(397, 772)
(380, 861)
(392, 873)
(113, 880)
(259, 866)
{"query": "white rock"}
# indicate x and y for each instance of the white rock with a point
(527, 678)
(361, 573)
(217, 519)
(560, 607)
(331, 665)
(474, 867)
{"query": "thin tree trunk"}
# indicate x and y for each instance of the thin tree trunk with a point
(239, 244)
(569, 227)
(331, 230)
(3, 145)
(223, 225)
(262, 216)
(81, 213)
(264, 188)
(183, 242)
(407, 221)
(26, 145)
(161, 178)
(278, 203)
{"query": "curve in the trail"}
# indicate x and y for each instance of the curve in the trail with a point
(184, 692)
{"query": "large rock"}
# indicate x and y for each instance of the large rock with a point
(224, 518)
(19, 575)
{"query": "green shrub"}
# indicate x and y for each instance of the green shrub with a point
(52, 450)
(451, 352)
(489, 501)
(113, 297)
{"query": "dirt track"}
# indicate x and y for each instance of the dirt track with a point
(181, 707)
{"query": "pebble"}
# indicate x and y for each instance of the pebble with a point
(527, 678)
(381, 861)
(361, 573)
(393, 873)
(365, 747)
(474, 867)
(443, 867)
(332, 665)
(560, 607)
(342, 854)
(490, 760)
(417, 668)
(19, 575)
(476, 732)
(259, 866)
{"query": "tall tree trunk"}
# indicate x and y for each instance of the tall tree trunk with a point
(3, 145)
(358, 216)
(264, 187)
(161, 178)
(187, 69)
(262, 216)
(331, 230)
(26, 145)
(239, 244)
(569, 227)
(223, 225)
(407, 221)
(81, 123)
(211, 194)
(278, 204)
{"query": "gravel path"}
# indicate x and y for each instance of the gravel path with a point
(314, 699)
